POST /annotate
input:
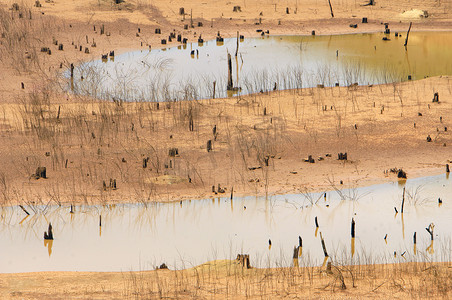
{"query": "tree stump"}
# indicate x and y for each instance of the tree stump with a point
(342, 156)
(40, 173)
(401, 174)
(49, 234)
(237, 9)
(435, 97)
(244, 260)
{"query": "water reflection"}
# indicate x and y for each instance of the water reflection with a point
(141, 236)
(264, 64)
(48, 244)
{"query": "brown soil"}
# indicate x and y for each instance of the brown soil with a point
(92, 141)
(227, 279)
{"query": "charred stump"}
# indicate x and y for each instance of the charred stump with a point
(48, 235)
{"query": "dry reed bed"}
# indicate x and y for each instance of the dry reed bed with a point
(87, 142)
(227, 279)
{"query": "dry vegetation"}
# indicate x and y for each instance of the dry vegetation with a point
(85, 142)
(227, 279)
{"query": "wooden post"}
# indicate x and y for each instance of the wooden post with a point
(447, 168)
(72, 70)
(232, 193)
(407, 34)
(316, 223)
(209, 145)
(353, 228)
(331, 8)
(59, 110)
(414, 238)
(100, 220)
(214, 86)
(230, 83)
(191, 18)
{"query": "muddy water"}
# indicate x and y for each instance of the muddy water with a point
(263, 63)
(139, 237)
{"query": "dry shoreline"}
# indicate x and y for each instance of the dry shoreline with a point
(227, 279)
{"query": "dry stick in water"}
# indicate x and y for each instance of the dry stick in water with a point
(403, 201)
(24, 210)
(407, 34)
(323, 245)
(230, 83)
(237, 49)
(430, 230)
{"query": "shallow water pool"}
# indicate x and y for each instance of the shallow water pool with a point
(185, 234)
(263, 64)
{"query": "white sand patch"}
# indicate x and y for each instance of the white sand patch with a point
(414, 14)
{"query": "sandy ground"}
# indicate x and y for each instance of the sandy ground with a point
(227, 279)
(90, 141)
